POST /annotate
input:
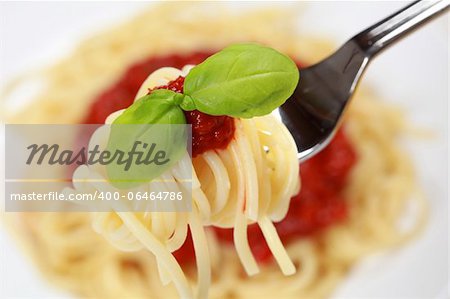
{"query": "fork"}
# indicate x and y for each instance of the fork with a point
(314, 111)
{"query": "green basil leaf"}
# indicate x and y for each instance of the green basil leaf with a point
(243, 80)
(155, 120)
(159, 107)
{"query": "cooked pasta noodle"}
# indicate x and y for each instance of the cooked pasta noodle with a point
(262, 159)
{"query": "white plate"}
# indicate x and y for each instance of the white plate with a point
(413, 73)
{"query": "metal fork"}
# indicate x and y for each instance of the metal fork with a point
(314, 112)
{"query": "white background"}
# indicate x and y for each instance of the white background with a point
(413, 73)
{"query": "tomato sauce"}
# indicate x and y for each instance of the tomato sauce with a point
(320, 203)
(122, 93)
(208, 131)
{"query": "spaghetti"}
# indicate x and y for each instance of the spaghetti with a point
(258, 170)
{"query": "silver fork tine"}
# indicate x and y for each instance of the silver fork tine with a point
(314, 111)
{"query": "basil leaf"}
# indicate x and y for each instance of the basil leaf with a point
(155, 119)
(159, 107)
(243, 80)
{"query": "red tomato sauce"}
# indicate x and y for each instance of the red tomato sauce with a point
(320, 203)
(208, 132)
(121, 94)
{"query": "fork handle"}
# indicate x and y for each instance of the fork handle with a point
(382, 34)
